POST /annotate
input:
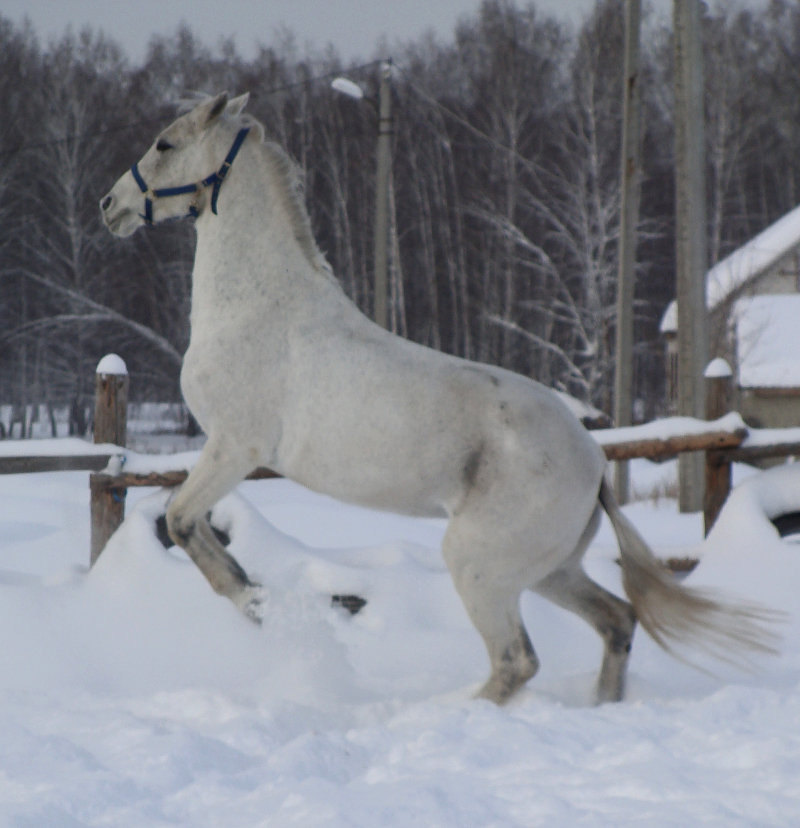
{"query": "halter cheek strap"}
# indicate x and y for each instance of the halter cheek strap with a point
(214, 181)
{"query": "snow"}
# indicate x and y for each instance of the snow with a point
(748, 261)
(54, 447)
(718, 368)
(752, 258)
(579, 408)
(771, 495)
(133, 695)
(760, 437)
(768, 341)
(669, 428)
(112, 364)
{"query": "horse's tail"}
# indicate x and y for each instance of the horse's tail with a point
(675, 614)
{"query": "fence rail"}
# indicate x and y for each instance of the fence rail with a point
(724, 440)
(25, 464)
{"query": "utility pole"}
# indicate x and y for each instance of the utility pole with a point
(629, 219)
(690, 232)
(383, 171)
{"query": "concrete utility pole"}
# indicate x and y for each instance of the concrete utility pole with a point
(690, 230)
(383, 109)
(629, 219)
(383, 171)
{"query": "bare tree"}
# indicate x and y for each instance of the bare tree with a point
(506, 194)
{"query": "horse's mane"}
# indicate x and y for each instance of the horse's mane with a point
(289, 179)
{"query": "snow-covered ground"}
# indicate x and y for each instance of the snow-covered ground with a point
(132, 695)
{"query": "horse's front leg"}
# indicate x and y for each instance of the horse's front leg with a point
(219, 468)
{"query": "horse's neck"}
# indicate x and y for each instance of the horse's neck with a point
(248, 257)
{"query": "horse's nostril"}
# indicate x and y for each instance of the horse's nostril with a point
(106, 202)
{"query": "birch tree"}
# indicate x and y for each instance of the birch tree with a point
(511, 61)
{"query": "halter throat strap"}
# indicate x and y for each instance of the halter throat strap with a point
(215, 181)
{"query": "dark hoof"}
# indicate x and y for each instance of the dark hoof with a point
(352, 603)
(166, 541)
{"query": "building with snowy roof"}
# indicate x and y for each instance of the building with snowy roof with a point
(753, 301)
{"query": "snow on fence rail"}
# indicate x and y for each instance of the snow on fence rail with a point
(723, 437)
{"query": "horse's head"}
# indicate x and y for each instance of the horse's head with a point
(182, 172)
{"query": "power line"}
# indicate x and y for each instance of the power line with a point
(326, 76)
(82, 136)
(429, 98)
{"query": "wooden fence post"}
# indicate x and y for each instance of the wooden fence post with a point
(719, 387)
(110, 426)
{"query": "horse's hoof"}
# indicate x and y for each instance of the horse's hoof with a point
(252, 601)
(352, 603)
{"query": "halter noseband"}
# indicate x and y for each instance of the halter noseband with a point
(214, 180)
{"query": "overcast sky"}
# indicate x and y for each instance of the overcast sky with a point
(353, 26)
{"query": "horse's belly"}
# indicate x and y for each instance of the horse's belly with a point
(375, 474)
(398, 499)
(428, 453)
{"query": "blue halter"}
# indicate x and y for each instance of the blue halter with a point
(214, 181)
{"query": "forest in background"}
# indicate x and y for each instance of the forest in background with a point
(505, 185)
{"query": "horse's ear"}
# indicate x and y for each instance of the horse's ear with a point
(236, 105)
(211, 109)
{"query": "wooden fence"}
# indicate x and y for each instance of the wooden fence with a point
(724, 438)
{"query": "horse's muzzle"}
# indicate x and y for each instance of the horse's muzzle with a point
(120, 220)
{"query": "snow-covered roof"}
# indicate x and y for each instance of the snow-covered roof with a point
(751, 260)
(768, 341)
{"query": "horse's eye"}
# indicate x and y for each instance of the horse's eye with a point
(163, 146)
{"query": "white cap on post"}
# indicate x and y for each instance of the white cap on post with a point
(717, 369)
(112, 364)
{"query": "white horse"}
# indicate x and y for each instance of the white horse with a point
(283, 371)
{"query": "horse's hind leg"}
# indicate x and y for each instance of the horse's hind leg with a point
(497, 618)
(492, 604)
(614, 619)
(216, 473)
